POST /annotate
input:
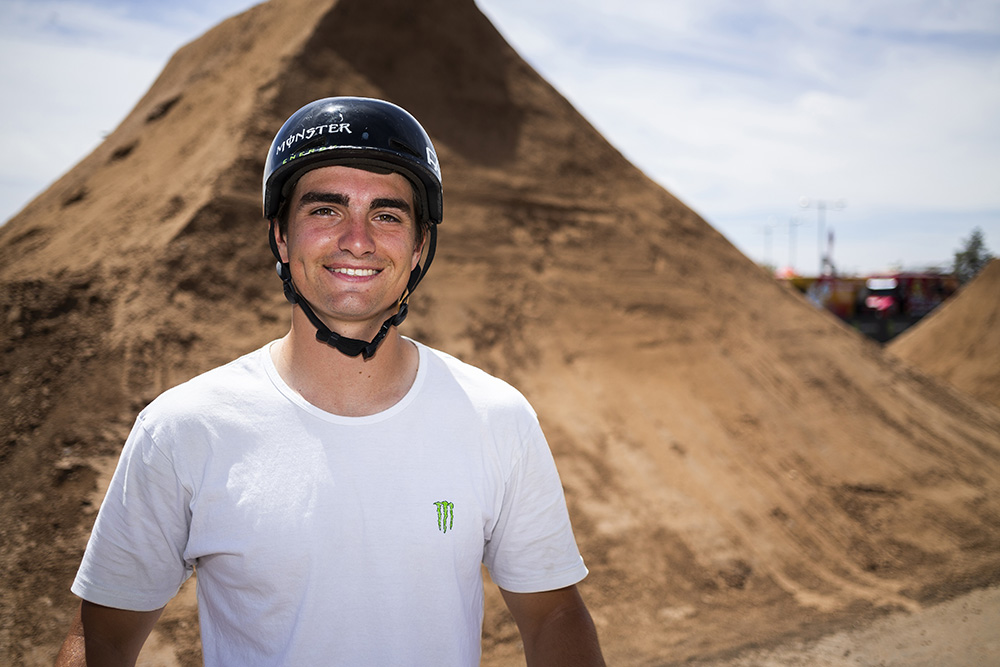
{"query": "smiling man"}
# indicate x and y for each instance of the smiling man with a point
(338, 489)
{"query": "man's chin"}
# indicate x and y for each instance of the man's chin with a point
(360, 327)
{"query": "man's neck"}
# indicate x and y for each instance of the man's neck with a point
(343, 385)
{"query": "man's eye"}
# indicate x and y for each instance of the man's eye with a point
(386, 217)
(323, 210)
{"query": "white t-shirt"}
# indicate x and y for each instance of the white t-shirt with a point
(321, 539)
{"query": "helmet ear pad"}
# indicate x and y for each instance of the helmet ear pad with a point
(286, 283)
(281, 267)
(283, 272)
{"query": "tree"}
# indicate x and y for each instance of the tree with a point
(972, 257)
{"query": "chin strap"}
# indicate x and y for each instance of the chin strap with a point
(352, 347)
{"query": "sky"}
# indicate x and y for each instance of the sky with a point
(780, 122)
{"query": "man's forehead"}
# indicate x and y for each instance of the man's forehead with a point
(344, 172)
(336, 178)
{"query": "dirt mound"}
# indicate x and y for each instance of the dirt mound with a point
(740, 466)
(960, 341)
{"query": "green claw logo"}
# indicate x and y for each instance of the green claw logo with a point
(446, 515)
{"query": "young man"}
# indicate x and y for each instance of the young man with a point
(338, 489)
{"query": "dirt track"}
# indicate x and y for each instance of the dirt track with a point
(957, 633)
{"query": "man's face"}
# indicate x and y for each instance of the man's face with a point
(351, 244)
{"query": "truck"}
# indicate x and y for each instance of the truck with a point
(880, 306)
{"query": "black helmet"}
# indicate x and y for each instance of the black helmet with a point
(362, 132)
(359, 131)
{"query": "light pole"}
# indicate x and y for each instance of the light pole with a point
(821, 206)
(793, 222)
(768, 231)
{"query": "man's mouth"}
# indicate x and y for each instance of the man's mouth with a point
(356, 272)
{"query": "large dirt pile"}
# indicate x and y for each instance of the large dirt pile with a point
(740, 467)
(960, 341)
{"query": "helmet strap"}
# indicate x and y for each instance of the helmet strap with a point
(352, 347)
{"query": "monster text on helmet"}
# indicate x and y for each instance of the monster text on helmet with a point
(309, 133)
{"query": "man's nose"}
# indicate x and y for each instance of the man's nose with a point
(357, 236)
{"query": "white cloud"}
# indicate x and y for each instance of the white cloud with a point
(55, 121)
(71, 71)
(741, 108)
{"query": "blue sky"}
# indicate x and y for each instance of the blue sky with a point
(757, 114)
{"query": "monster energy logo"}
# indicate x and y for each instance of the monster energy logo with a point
(446, 515)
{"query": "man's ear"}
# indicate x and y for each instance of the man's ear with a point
(418, 249)
(278, 240)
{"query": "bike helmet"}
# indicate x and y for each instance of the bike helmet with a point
(359, 132)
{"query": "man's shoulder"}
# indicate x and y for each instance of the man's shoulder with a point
(472, 380)
(219, 386)
(463, 370)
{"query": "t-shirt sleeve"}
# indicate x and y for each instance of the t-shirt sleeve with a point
(135, 557)
(532, 547)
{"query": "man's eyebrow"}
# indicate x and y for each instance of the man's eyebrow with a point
(315, 197)
(391, 202)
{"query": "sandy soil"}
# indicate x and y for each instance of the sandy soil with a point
(742, 470)
(957, 633)
(960, 341)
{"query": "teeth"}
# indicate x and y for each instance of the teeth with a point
(356, 272)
